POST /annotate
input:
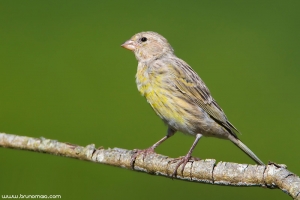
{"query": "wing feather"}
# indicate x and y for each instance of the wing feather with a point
(190, 84)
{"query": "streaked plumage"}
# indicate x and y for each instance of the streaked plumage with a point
(177, 94)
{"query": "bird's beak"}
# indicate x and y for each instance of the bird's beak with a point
(129, 44)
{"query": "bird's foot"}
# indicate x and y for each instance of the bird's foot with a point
(137, 152)
(183, 160)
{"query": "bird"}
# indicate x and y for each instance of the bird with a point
(178, 96)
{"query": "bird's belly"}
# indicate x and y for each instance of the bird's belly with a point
(182, 114)
(177, 110)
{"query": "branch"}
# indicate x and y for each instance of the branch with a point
(203, 171)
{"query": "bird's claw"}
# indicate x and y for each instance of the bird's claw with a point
(183, 160)
(137, 152)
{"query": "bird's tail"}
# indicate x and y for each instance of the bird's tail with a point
(245, 149)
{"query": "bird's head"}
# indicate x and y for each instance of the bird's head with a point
(148, 45)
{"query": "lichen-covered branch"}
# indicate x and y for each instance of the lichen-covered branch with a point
(203, 171)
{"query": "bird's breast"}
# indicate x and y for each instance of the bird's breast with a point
(155, 87)
(151, 83)
(142, 79)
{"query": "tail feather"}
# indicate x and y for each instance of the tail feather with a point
(245, 149)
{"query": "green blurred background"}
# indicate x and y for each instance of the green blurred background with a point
(64, 76)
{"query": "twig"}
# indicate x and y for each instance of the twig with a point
(203, 171)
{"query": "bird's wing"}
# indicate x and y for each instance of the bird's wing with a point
(190, 84)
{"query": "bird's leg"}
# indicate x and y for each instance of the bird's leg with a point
(186, 158)
(170, 133)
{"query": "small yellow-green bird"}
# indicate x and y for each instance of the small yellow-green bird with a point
(178, 95)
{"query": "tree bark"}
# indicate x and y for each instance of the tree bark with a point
(202, 171)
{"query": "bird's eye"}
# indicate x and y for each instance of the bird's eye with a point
(143, 39)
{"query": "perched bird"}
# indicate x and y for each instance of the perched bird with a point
(178, 95)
